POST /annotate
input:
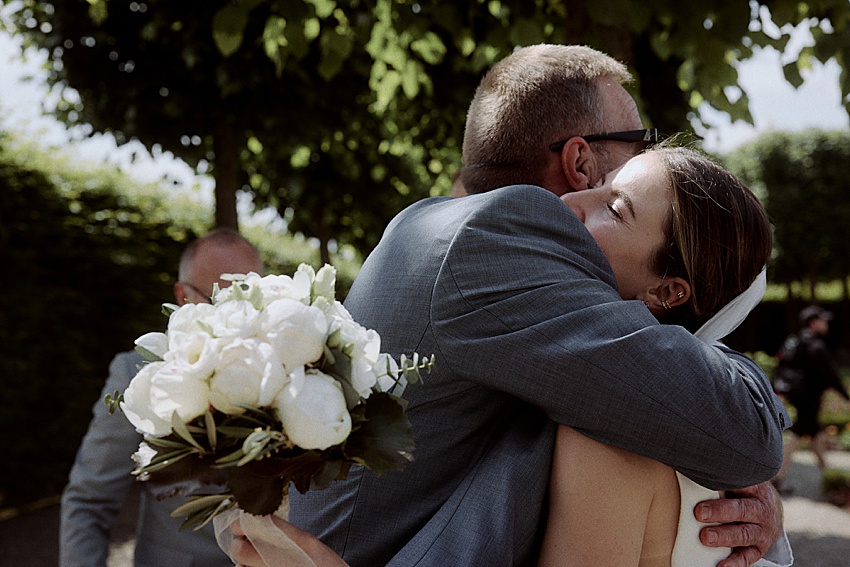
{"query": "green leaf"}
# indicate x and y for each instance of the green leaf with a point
(146, 354)
(98, 11)
(166, 442)
(229, 28)
(336, 49)
(209, 422)
(258, 490)
(324, 8)
(181, 430)
(113, 400)
(792, 74)
(384, 441)
(528, 32)
(197, 503)
(430, 48)
(163, 461)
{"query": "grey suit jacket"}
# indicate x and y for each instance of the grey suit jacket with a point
(521, 309)
(99, 484)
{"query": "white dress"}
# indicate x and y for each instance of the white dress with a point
(688, 551)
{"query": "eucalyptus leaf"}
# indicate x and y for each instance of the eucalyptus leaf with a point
(180, 429)
(113, 401)
(166, 442)
(147, 355)
(209, 421)
(163, 461)
(234, 431)
(197, 503)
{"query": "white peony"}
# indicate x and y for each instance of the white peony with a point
(190, 318)
(235, 319)
(249, 372)
(313, 411)
(283, 287)
(194, 354)
(137, 403)
(324, 284)
(154, 343)
(172, 391)
(297, 332)
(363, 347)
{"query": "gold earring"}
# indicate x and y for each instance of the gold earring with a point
(681, 294)
(665, 305)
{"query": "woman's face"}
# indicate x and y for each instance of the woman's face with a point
(626, 216)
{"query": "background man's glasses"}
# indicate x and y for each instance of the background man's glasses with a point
(648, 136)
(206, 298)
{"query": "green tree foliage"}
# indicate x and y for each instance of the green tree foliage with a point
(341, 112)
(802, 179)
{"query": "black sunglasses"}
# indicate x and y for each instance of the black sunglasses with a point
(648, 136)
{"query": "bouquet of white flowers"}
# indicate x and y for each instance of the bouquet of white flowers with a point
(272, 383)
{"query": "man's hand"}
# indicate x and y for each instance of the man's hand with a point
(751, 521)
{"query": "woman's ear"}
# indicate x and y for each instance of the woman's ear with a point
(671, 293)
(578, 163)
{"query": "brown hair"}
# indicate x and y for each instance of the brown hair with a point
(719, 235)
(535, 96)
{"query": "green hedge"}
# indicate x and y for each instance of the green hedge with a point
(85, 275)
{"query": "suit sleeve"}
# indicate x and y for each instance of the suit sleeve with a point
(525, 303)
(100, 479)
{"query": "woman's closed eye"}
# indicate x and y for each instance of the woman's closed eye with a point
(614, 212)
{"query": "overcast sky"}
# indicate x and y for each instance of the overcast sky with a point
(775, 105)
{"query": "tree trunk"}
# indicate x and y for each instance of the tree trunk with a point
(226, 168)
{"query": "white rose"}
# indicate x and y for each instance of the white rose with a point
(236, 318)
(190, 318)
(249, 372)
(195, 354)
(137, 403)
(173, 391)
(313, 411)
(297, 332)
(154, 343)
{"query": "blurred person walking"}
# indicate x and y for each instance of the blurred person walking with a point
(806, 370)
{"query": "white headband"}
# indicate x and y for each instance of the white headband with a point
(733, 313)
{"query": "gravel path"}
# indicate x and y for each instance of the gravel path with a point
(819, 532)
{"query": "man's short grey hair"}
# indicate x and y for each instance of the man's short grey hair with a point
(220, 237)
(535, 96)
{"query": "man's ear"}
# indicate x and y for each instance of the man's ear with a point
(671, 292)
(181, 294)
(578, 163)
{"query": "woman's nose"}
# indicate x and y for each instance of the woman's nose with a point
(576, 203)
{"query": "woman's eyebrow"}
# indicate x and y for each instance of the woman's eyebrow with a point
(620, 194)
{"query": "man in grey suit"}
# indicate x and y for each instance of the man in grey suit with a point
(100, 481)
(520, 307)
